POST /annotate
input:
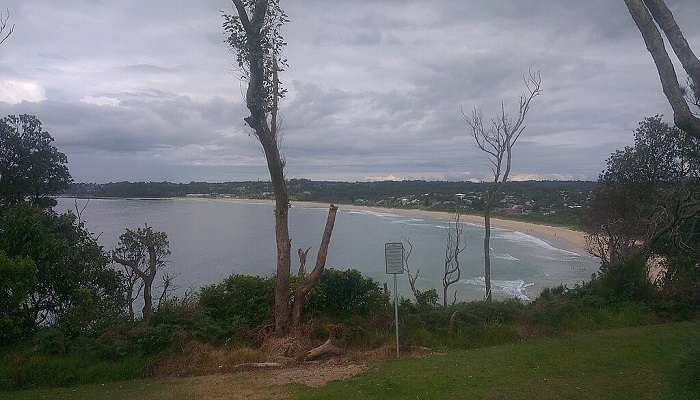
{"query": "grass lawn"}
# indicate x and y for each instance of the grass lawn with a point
(631, 363)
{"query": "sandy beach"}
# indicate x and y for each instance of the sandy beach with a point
(564, 238)
(568, 239)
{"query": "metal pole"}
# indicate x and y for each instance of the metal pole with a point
(396, 315)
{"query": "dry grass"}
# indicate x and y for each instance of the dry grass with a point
(201, 359)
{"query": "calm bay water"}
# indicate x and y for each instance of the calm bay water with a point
(213, 238)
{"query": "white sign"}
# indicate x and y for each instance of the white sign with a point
(393, 254)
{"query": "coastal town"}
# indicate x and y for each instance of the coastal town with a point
(550, 201)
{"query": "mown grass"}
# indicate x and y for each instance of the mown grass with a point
(629, 363)
(638, 363)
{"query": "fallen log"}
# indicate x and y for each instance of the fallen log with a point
(327, 349)
(248, 366)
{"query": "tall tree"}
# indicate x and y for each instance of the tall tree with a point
(647, 14)
(254, 35)
(648, 199)
(497, 140)
(31, 168)
(144, 251)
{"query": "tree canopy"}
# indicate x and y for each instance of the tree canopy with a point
(58, 265)
(31, 168)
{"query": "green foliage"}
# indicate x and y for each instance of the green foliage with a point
(271, 43)
(626, 281)
(681, 283)
(340, 294)
(239, 303)
(135, 245)
(661, 153)
(30, 166)
(427, 298)
(475, 324)
(73, 278)
(17, 281)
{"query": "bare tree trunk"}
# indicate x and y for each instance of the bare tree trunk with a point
(412, 276)
(147, 299)
(487, 251)
(310, 281)
(302, 261)
(131, 304)
(266, 132)
(664, 18)
(451, 326)
(283, 263)
(683, 117)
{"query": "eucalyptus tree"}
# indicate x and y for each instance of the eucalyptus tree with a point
(649, 16)
(254, 33)
(497, 140)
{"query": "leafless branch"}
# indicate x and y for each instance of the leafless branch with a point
(452, 271)
(412, 276)
(5, 29)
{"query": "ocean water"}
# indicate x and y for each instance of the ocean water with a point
(214, 238)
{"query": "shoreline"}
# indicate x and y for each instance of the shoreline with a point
(565, 238)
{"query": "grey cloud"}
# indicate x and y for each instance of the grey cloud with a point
(376, 86)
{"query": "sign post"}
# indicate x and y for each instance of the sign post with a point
(393, 256)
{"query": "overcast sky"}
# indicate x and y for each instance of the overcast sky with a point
(148, 90)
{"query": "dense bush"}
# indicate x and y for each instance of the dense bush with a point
(239, 303)
(626, 281)
(681, 284)
(72, 280)
(17, 281)
(341, 294)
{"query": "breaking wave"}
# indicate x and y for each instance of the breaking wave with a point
(515, 236)
(514, 289)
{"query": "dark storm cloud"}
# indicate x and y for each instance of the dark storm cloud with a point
(148, 90)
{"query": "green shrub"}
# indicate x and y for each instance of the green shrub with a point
(240, 302)
(341, 294)
(627, 281)
(18, 276)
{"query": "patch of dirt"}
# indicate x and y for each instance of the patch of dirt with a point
(253, 385)
(266, 384)
(319, 373)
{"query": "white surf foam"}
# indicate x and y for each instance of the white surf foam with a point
(373, 213)
(515, 236)
(506, 256)
(514, 289)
